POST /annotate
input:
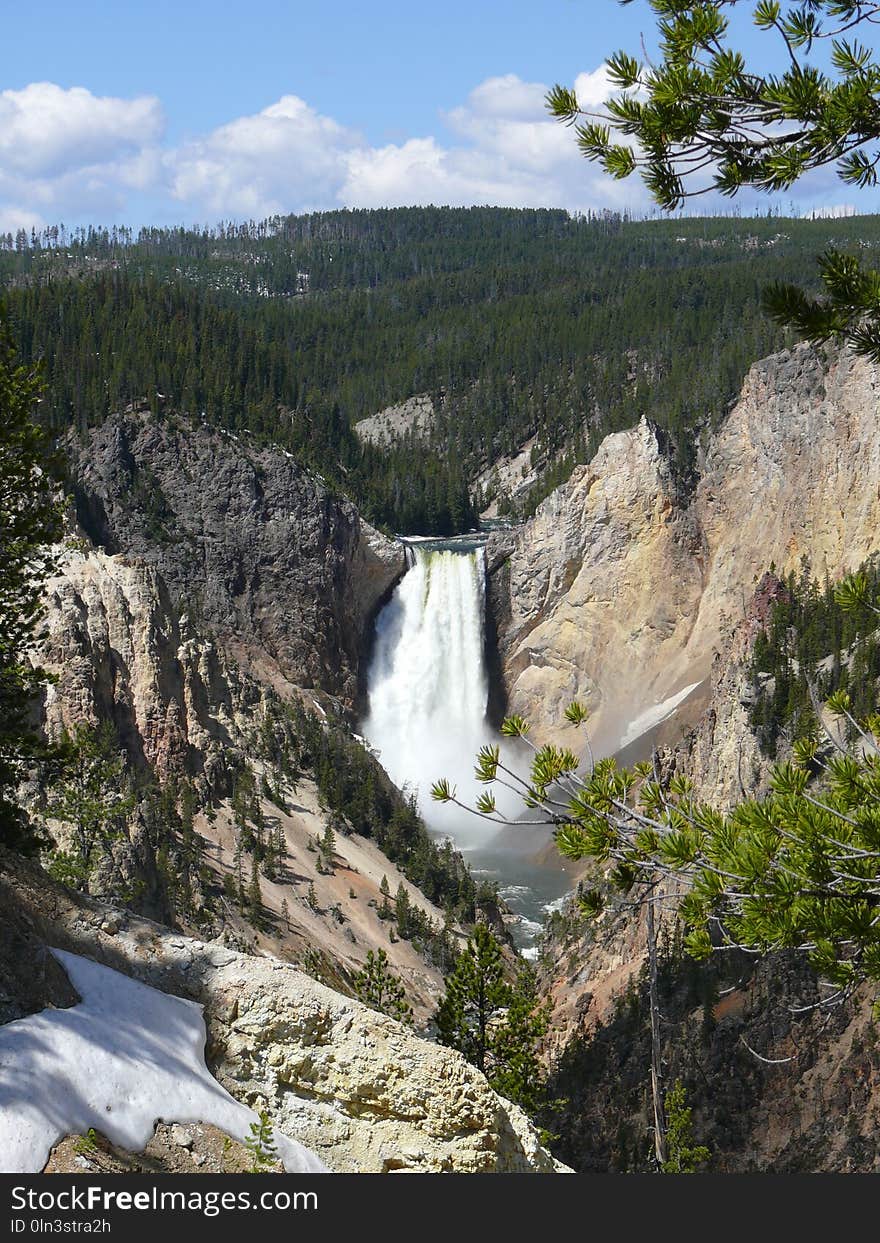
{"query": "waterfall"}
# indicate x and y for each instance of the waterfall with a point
(427, 684)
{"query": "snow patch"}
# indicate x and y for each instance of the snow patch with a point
(124, 1058)
(653, 716)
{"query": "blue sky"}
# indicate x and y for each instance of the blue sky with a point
(192, 111)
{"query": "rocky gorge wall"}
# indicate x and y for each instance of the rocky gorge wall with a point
(251, 547)
(621, 590)
(205, 573)
(186, 686)
(119, 652)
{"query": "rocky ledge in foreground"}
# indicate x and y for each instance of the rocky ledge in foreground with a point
(357, 1088)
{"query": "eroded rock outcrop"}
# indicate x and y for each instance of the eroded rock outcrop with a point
(358, 1088)
(249, 544)
(582, 614)
(416, 417)
(120, 653)
(620, 590)
(721, 755)
(355, 1086)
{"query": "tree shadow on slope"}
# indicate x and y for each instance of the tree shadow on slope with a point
(716, 1017)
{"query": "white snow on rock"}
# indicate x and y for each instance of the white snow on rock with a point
(122, 1059)
(655, 715)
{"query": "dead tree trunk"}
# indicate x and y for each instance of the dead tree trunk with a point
(660, 1151)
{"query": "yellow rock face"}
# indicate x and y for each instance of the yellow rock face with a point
(620, 590)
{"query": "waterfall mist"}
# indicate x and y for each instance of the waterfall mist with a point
(427, 686)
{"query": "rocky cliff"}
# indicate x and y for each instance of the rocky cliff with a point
(120, 652)
(621, 589)
(181, 674)
(250, 546)
(624, 591)
(720, 753)
(358, 1088)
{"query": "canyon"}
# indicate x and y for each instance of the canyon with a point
(206, 578)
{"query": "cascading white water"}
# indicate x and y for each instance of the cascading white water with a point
(428, 688)
(427, 683)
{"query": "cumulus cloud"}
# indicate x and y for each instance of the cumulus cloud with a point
(592, 89)
(508, 98)
(506, 151)
(287, 157)
(67, 154)
(46, 131)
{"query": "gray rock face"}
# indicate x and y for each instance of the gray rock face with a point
(414, 417)
(247, 542)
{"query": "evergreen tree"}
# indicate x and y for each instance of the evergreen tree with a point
(475, 993)
(384, 911)
(190, 846)
(246, 812)
(327, 846)
(684, 1156)
(498, 1026)
(29, 521)
(699, 116)
(403, 913)
(260, 1143)
(377, 987)
(255, 896)
(517, 1071)
(279, 843)
(89, 799)
(238, 872)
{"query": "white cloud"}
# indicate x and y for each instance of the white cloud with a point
(46, 131)
(287, 157)
(592, 89)
(14, 218)
(69, 153)
(507, 151)
(508, 97)
(73, 156)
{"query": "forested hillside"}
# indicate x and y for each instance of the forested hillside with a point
(517, 323)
